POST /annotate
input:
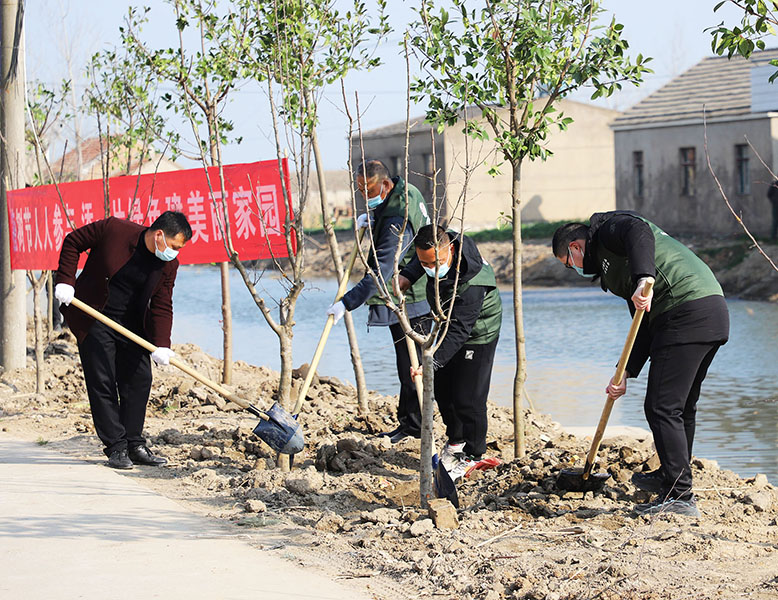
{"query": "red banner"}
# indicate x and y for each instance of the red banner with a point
(254, 201)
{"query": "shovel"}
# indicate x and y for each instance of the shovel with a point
(327, 327)
(577, 480)
(277, 428)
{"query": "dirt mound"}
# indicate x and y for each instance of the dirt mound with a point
(351, 503)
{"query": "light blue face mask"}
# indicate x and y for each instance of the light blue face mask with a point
(578, 269)
(442, 271)
(374, 202)
(167, 254)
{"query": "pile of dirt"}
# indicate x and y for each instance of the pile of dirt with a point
(350, 505)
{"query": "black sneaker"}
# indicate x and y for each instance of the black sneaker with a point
(141, 455)
(119, 459)
(393, 432)
(403, 432)
(686, 507)
(652, 481)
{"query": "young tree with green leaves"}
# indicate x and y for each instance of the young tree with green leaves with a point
(304, 46)
(122, 97)
(202, 79)
(757, 27)
(514, 60)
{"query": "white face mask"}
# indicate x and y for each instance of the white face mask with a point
(167, 254)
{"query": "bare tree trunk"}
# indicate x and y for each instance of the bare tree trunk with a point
(427, 435)
(519, 446)
(49, 304)
(283, 396)
(13, 315)
(332, 240)
(224, 269)
(37, 286)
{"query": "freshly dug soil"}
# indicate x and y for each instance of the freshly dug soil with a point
(350, 506)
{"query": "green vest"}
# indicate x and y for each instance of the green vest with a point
(394, 206)
(681, 275)
(487, 326)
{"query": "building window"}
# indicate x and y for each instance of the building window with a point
(688, 171)
(741, 169)
(637, 173)
(397, 165)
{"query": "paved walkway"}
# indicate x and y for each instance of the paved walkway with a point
(69, 529)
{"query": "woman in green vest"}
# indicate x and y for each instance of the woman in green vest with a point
(687, 321)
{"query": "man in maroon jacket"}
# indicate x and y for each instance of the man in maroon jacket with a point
(129, 277)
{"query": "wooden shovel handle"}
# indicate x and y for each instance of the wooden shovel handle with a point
(95, 314)
(620, 369)
(327, 327)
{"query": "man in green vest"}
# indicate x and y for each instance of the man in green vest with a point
(463, 361)
(396, 211)
(687, 321)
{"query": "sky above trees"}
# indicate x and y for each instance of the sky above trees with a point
(670, 31)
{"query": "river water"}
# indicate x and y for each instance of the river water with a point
(574, 338)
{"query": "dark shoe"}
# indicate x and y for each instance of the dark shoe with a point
(404, 432)
(676, 506)
(141, 455)
(119, 460)
(652, 481)
(393, 432)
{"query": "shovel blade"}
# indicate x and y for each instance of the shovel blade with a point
(571, 480)
(444, 485)
(281, 432)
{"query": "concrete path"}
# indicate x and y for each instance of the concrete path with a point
(69, 529)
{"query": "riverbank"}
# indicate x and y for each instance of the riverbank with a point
(350, 507)
(742, 271)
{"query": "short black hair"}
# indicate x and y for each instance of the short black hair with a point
(566, 234)
(172, 223)
(424, 237)
(371, 169)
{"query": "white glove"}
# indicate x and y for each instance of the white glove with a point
(337, 310)
(638, 300)
(162, 356)
(64, 293)
(362, 221)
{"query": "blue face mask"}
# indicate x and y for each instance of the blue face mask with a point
(578, 269)
(374, 202)
(442, 271)
(167, 254)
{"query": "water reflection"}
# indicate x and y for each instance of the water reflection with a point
(574, 338)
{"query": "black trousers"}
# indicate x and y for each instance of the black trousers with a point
(461, 390)
(674, 381)
(117, 373)
(408, 409)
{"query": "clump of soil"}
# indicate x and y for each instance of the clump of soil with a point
(352, 498)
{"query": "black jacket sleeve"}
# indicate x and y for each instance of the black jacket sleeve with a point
(385, 248)
(467, 307)
(631, 237)
(413, 270)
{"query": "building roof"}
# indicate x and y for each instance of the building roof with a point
(721, 85)
(417, 125)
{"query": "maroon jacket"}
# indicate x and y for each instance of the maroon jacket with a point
(112, 243)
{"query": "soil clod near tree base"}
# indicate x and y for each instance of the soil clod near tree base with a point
(350, 506)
